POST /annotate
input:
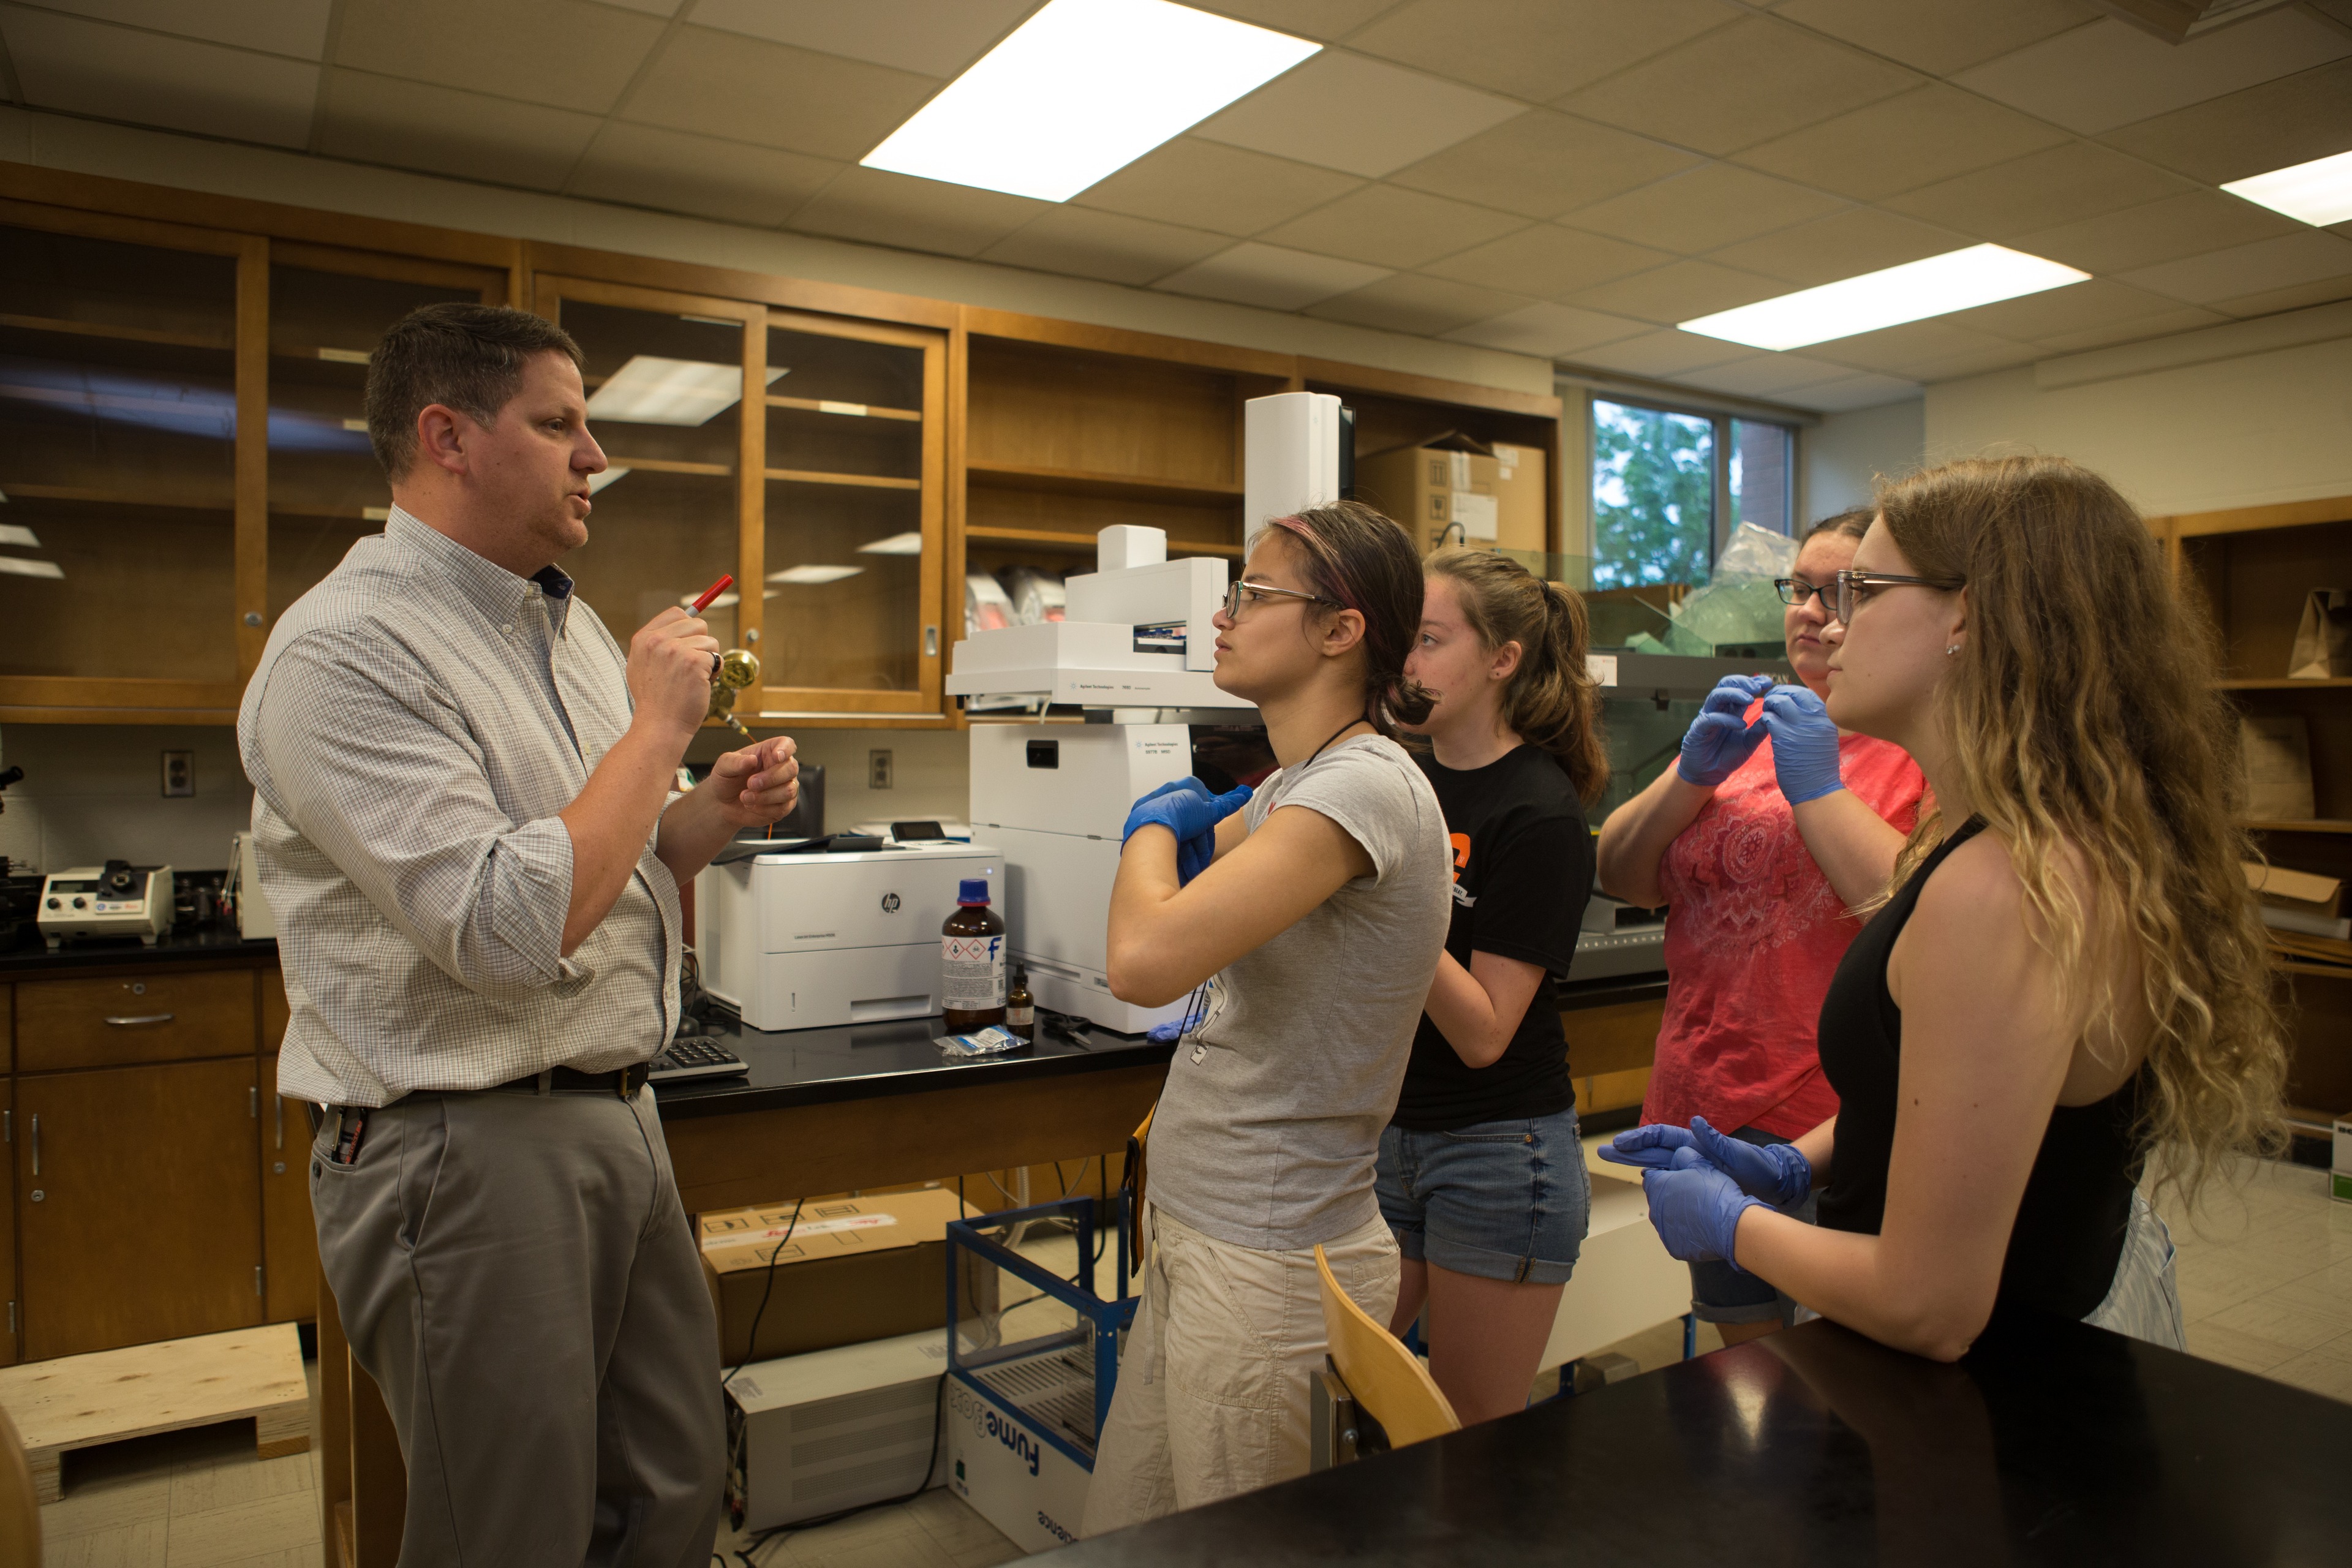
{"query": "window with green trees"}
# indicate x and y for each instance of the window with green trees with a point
(1652, 496)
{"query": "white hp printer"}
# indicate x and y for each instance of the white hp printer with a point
(811, 940)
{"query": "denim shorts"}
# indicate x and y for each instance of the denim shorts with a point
(1722, 1294)
(1502, 1200)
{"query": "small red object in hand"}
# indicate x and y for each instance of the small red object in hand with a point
(726, 580)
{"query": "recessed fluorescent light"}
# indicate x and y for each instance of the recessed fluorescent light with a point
(19, 534)
(598, 481)
(2318, 193)
(1082, 89)
(650, 390)
(16, 566)
(1914, 292)
(897, 545)
(812, 574)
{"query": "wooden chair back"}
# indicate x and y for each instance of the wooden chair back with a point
(20, 1505)
(1386, 1378)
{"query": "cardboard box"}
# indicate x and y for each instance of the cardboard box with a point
(2339, 1180)
(852, 1269)
(1496, 492)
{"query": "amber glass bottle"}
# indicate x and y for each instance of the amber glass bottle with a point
(971, 960)
(1020, 1007)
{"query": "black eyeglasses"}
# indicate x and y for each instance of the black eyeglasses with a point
(1258, 592)
(1796, 591)
(1854, 588)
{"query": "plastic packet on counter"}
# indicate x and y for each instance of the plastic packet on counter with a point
(993, 1041)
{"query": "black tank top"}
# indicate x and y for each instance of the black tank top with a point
(2069, 1232)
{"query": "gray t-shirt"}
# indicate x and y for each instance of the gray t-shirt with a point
(1270, 1125)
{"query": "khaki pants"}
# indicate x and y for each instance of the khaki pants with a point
(1213, 1385)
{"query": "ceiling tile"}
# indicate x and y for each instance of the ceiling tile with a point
(2187, 225)
(1917, 347)
(568, 54)
(1739, 85)
(1409, 302)
(415, 125)
(1713, 205)
(1542, 165)
(2110, 73)
(650, 7)
(2077, 307)
(931, 38)
(2267, 264)
(1549, 330)
(1854, 391)
(120, 73)
(292, 27)
(1390, 226)
(731, 180)
(883, 208)
(1536, 49)
(1680, 291)
(1548, 261)
(1844, 245)
(1363, 116)
(2274, 126)
(1206, 184)
(1109, 246)
(1255, 274)
(1662, 353)
(1939, 36)
(748, 90)
(1325, 19)
(2179, 319)
(1901, 143)
(2058, 184)
(2295, 297)
(1766, 375)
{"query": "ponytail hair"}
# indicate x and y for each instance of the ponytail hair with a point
(1551, 700)
(1363, 561)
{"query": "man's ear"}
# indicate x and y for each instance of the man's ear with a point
(442, 434)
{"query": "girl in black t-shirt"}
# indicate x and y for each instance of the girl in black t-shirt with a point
(1481, 1175)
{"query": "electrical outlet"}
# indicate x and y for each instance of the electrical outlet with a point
(878, 768)
(179, 772)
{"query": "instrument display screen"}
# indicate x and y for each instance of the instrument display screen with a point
(75, 887)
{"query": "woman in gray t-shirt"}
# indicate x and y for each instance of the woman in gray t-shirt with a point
(1314, 917)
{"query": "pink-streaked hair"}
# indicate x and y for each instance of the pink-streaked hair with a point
(1364, 560)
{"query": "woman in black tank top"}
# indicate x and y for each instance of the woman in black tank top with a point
(2071, 979)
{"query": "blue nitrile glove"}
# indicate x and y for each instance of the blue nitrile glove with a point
(1651, 1145)
(1720, 738)
(1775, 1172)
(1804, 743)
(1187, 810)
(1695, 1209)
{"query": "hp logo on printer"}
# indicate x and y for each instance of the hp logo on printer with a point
(889, 903)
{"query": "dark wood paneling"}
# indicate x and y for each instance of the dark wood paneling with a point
(290, 1243)
(159, 1017)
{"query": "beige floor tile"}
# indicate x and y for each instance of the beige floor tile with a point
(254, 1529)
(199, 1488)
(954, 1523)
(136, 1545)
(912, 1550)
(311, 1556)
(2283, 1322)
(111, 1502)
(2247, 1352)
(858, 1531)
(2319, 1372)
(989, 1556)
(2327, 1292)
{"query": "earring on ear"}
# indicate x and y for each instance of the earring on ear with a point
(1951, 650)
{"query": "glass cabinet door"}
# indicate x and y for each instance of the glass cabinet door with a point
(119, 443)
(327, 311)
(666, 377)
(851, 536)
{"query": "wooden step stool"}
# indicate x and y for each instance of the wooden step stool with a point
(81, 1401)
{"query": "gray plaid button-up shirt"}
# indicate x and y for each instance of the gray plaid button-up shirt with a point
(416, 721)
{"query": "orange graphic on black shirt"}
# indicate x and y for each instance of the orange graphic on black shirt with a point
(1461, 842)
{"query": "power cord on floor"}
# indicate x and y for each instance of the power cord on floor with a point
(752, 1340)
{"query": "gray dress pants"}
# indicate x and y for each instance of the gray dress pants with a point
(516, 1273)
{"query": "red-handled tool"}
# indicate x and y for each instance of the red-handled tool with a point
(726, 580)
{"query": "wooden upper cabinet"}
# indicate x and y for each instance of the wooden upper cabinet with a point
(804, 454)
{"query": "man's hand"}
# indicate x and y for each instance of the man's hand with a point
(754, 787)
(670, 663)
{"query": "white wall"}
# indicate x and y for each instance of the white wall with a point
(2243, 431)
(930, 772)
(1839, 458)
(93, 793)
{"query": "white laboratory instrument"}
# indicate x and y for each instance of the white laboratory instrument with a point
(254, 920)
(114, 899)
(813, 1435)
(813, 940)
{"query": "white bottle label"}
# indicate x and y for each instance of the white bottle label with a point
(1019, 1018)
(972, 971)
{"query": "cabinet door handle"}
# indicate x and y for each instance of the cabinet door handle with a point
(253, 1102)
(37, 1142)
(281, 1122)
(128, 1021)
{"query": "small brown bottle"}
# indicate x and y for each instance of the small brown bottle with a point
(971, 960)
(1020, 1007)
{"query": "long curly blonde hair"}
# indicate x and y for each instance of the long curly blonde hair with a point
(2083, 715)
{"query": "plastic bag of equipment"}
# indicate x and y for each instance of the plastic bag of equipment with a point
(1037, 595)
(1739, 603)
(986, 606)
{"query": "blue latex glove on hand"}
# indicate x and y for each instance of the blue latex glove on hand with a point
(1804, 743)
(1720, 738)
(1775, 1172)
(1695, 1209)
(1189, 811)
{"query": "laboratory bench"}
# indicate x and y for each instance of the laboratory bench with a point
(219, 945)
(2050, 1442)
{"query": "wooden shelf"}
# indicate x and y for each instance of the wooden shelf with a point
(223, 501)
(2330, 683)
(870, 481)
(2324, 970)
(1041, 540)
(2324, 824)
(120, 334)
(666, 466)
(1077, 482)
(846, 410)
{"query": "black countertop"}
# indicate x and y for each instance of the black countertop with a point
(862, 1061)
(212, 944)
(2051, 1443)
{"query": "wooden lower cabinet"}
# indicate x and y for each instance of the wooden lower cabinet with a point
(290, 1246)
(137, 1198)
(9, 1350)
